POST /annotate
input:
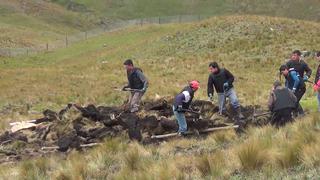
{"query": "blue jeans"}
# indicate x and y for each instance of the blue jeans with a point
(318, 101)
(181, 120)
(231, 94)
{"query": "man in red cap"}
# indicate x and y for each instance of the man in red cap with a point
(182, 102)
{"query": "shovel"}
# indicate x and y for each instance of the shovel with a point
(128, 89)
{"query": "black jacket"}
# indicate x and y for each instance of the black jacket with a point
(218, 79)
(300, 66)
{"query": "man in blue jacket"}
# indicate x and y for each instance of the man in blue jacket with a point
(182, 102)
(295, 83)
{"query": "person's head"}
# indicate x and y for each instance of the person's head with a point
(213, 67)
(276, 84)
(318, 55)
(296, 55)
(284, 70)
(195, 85)
(128, 64)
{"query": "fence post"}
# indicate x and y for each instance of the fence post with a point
(199, 18)
(66, 40)
(85, 35)
(179, 18)
(159, 20)
(47, 46)
(141, 22)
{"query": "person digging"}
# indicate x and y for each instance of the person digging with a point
(137, 85)
(222, 80)
(302, 68)
(281, 104)
(182, 103)
(294, 82)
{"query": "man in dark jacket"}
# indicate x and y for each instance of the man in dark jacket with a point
(304, 71)
(281, 103)
(317, 80)
(222, 80)
(294, 83)
(182, 102)
(137, 84)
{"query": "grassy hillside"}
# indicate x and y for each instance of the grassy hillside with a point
(34, 23)
(251, 47)
(28, 23)
(128, 9)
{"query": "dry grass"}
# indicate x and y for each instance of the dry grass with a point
(77, 74)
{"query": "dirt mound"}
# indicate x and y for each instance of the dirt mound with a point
(77, 127)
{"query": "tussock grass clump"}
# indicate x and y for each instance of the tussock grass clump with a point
(223, 137)
(252, 155)
(37, 169)
(212, 165)
(310, 155)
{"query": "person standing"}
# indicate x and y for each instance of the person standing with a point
(182, 102)
(317, 80)
(137, 84)
(295, 83)
(222, 80)
(302, 68)
(281, 103)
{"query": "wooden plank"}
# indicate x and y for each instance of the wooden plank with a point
(82, 145)
(189, 132)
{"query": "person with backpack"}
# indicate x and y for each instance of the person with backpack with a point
(137, 85)
(294, 82)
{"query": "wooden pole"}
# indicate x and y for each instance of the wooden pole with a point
(187, 133)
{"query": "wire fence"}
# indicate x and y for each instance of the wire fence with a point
(112, 26)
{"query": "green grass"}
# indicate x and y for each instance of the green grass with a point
(170, 55)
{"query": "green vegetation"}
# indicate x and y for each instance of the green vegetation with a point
(251, 47)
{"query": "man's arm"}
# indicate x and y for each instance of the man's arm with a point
(307, 69)
(230, 77)
(210, 89)
(293, 96)
(271, 100)
(143, 79)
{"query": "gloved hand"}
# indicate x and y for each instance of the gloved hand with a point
(124, 88)
(305, 78)
(179, 109)
(210, 97)
(293, 90)
(226, 85)
(144, 89)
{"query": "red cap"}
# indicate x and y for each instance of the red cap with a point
(194, 84)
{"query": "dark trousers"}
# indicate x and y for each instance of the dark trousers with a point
(299, 93)
(281, 117)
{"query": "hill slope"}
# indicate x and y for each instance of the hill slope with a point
(34, 23)
(251, 47)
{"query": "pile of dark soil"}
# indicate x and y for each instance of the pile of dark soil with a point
(75, 126)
